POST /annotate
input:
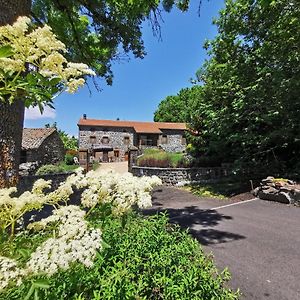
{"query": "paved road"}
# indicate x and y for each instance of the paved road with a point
(259, 241)
(119, 167)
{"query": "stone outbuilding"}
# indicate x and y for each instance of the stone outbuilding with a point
(41, 145)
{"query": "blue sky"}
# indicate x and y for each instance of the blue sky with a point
(140, 85)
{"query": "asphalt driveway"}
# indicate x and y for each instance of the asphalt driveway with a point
(258, 241)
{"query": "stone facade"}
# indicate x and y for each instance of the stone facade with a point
(106, 140)
(180, 176)
(42, 145)
(175, 141)
(100, 138)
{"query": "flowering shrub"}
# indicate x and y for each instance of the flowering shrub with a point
(70, 238)
(33, 66)
(148, 258)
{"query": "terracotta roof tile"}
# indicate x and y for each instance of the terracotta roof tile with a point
(34, 137)
(139, 127)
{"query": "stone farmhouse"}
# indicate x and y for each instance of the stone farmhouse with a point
(41, 146)
(107, 140)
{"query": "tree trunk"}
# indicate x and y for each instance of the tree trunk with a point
(11, 127)
(10, 10)
(11, 116)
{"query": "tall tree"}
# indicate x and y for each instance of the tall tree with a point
(252, 83)
(94, 31)
(179, 108)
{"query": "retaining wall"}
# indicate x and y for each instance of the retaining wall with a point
(26, 182)
(174, 176)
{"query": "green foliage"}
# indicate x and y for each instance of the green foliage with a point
(97, 31)
(159, 158)
(69, 159)
(251, 83)
(55, 169)
(68, 168)
(142, 258)
(179, 108)
(247, 110)
(49, 169)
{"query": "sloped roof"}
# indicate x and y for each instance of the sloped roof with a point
(34, 137)
(139, 127)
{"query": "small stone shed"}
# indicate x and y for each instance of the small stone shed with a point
(41, 145)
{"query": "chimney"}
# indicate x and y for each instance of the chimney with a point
(84, 116)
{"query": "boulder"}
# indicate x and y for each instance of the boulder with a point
(280, 191)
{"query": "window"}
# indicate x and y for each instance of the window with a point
(164, 139)
(126, 140)
(92, 139)
(105, 140)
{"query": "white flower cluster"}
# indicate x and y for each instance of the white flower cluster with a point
(41, 49)
(13, 208)
(121, 190)
(74, 242)
(9, 271)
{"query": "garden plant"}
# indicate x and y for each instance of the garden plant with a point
(100, 248)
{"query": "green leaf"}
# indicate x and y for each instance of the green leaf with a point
(41, 283)
(30, 292)
(6, 51)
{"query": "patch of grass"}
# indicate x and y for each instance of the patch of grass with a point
(221, 190)
(68, 168)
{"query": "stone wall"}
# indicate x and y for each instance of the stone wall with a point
(26, 182)
(177, 176)
(115, 136)
(174, 141)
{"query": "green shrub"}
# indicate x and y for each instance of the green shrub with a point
(50, 169)
(143, 258)
(162, 159)
(69, 159)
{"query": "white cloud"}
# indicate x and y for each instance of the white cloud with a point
(33, 113)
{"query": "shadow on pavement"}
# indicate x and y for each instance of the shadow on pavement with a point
(190, 217)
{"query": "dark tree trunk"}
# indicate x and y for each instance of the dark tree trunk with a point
(11, 116)
(10, 10)
(11, 127)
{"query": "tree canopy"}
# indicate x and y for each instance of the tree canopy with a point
(99, 31)
(249, 106)
(179, 108)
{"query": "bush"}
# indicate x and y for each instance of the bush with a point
(50, 169)
(161, 159)
(69, 159)
(143, 258)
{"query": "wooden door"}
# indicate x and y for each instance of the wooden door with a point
(105, 156)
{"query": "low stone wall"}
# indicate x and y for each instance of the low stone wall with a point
(175, 176)
(26, 182)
